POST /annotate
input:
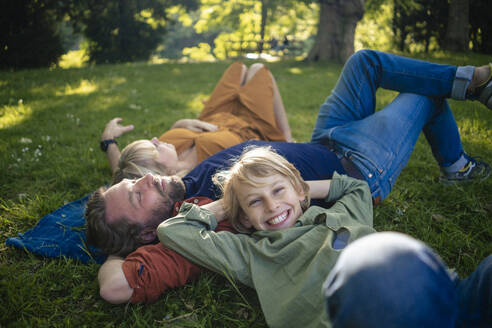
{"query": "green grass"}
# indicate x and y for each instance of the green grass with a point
(63, 112)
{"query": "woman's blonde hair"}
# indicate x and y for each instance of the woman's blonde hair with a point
(255, 162)
(138, 159)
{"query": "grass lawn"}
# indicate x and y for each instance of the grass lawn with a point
(50, 124)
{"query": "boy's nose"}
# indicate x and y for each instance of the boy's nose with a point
(271, 204)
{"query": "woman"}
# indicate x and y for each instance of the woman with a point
(245, 104)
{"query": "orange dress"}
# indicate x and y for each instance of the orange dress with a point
(241, 112)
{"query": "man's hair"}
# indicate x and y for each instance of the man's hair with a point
(120, 238)
(138, 159)
(254, 162)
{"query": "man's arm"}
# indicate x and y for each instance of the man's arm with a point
(147, 273)
(193, 234)
(351, 196)
(319, 189)
(113, 286)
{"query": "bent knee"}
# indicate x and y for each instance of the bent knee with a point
(253, 69)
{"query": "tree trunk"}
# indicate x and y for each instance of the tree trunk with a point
(336, 29)
(264, 15)
(456, 38)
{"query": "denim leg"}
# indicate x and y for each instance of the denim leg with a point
(380, 143)
(443, 136)
(390, 280)
(354, 96)
(475, 297)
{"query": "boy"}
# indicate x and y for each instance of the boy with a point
(288, 256)
(290, 248)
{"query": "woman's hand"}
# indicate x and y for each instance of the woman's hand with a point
(114, 129)
(195, 125)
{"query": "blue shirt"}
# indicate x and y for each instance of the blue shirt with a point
(314, 162)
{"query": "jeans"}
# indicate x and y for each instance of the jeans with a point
(392, 280)
(380, 143)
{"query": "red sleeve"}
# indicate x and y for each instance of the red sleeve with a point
(152, 269)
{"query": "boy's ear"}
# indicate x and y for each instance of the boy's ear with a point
(301, 194)
(147, 235)
(244, 220)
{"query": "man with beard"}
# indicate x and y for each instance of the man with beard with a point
(349, 137)
(119, 229)
(126, 216)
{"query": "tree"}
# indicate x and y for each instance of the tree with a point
(418, 23)
(29, 33)
(336, 28)
(456, 38)
(481, 28)
(247, 25)
(123, 30)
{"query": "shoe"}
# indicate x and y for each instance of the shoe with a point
(474, 170)
(484, 91)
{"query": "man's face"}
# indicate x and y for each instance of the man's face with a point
(146, 201)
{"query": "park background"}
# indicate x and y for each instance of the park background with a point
(68, 67)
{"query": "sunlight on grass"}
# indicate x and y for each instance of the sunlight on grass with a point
(295, 70)
(12, 115)
(474, 129)
(156, 60)
(49, 133)
(196, 103)
(85, 87)
(74, 58)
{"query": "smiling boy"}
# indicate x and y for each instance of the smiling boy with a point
(288, 253)
(290, 250)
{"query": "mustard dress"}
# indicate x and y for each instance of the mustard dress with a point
(241, 112)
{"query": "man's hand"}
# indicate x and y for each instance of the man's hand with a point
(114, 129)
(195, 125)
(217, 208)
(113, 286)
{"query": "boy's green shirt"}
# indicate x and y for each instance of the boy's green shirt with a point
(287, 267)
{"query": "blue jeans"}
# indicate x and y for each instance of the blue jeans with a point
(380, 143)
(392, 280)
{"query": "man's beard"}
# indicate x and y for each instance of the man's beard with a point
(175, 192)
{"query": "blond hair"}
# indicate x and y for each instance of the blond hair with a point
(255, 162)
(138, 159)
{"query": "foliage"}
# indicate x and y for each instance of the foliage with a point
(374, 30)
(73, 58)
(238, 23)
(50, 124)
(481, 27)
(29, 33)
(200, 53)
(122, 31)
(181, 34)
(420, 20)
(420, 25)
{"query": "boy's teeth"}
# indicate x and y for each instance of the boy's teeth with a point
(278, 219)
